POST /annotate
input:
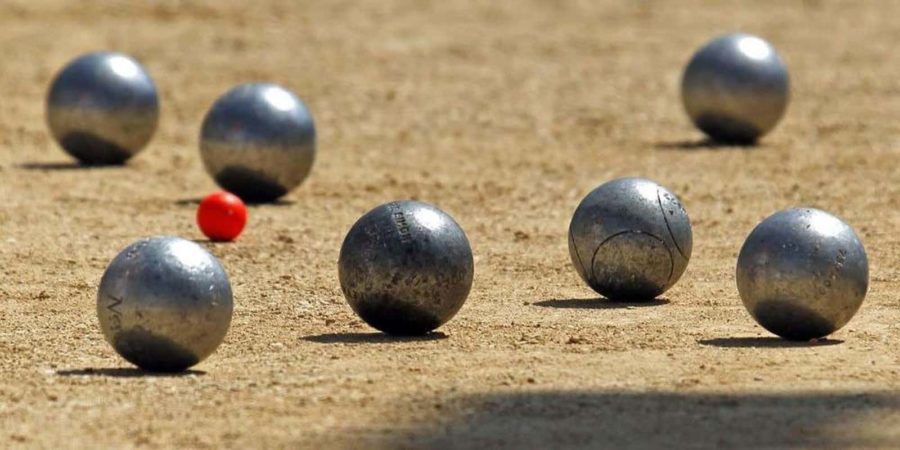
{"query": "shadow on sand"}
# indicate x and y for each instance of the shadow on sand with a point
(66, 165)
(706, 144)
(194, 201)
(767, 342)
(371, 338)
(599, 303)
(647, 420)
(125, 372)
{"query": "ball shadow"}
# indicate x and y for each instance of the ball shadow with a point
(194, 201)
(371, 338)
(188, 201)
(599, 303)
(275, 203)
(64, 166)
(766, 342)
(125, 372)
(649, 420)
(707, 144)
(210, 242)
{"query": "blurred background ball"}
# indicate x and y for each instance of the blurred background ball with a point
(258, 141)
(736, 88)
(630, 239)
(102, 108)
(164, 303)
(802, 273)
(406, 267)
(221, 216)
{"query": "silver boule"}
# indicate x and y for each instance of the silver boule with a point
(630, 239)
(103, 108)
(164, 303)
(802, 273)
(258, 141)
(406, 267)
(736, 88)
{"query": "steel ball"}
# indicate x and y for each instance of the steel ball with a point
(258, 141)
(802, 273)
(736, 88)
(630, 239)
(102, 108)
(406, 268)
(164, 303)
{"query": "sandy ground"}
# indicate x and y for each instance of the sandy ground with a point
(504, 114)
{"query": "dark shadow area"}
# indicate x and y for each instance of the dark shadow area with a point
(793, 322)
(371, 338)
(196, 201)
(707, 144)
(649, 420)
(767, 342)
(153, 352)
(276, 203)
(599, 303)
(125, 372)
(67, 165)
(205, 241)
(251, 185)
(188, 201)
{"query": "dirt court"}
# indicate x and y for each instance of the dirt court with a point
(504, 114)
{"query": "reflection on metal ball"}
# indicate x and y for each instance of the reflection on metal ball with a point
(736, 88)
(802, 273)
(164, 303)
(258, 142)
(630, 239)
(103, 108)
(406, 267)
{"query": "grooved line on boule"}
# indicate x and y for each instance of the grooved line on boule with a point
(669, 227)
(671, 259)
(578, 254)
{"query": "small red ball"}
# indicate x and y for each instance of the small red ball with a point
(222, 216)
